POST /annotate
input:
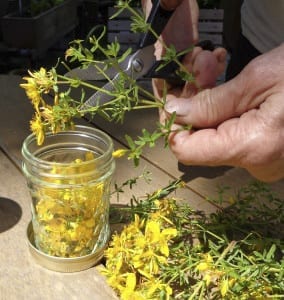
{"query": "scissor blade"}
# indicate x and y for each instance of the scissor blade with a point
(138, 65)
(98, 71)
(102, 97)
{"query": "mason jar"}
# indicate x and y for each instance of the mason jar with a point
(69, 180)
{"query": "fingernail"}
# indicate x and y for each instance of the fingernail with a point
(175, 107)
(170, 107)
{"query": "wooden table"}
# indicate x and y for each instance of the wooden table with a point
(20, 276)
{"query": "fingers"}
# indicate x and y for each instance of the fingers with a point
(209, 107)
(221, 56)
(262, 77)
(170, 4)
(238, 142)
(204, 147)
(206, 66)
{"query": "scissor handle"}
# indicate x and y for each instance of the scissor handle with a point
(158, 19)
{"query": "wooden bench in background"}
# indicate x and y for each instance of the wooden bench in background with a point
(119, 29)
(210, 27)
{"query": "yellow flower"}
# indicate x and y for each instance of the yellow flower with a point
(130, 285)
(140, 249)
(32, 92)
(152, 231)
(119, 153)
(38, 83)
(206, 263)
(47, 112)
(37, 128)
(89, 156)
(43, 79)
(69, 219)
(232, 200)
(155, 285)
(224, 287)
(69, 52)
(207, 278)
(202, 266)
(154, 235)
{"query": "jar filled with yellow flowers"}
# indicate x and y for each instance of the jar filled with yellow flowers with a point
(69, 179)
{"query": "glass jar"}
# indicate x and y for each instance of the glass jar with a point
(69, 180)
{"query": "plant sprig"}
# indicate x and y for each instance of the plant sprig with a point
(215, 256)
(52, 94)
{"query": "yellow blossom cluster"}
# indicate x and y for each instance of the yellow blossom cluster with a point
(38, 83)
(69, 213)
(135, 256)
(52, 117)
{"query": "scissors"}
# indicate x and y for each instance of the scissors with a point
(140, 64)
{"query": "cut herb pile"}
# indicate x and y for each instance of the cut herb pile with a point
(170, 251)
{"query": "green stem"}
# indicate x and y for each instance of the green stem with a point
(144, 107)
(226, 250)
(83, 83)
(196, 290)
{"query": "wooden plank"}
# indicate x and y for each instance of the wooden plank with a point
(118, 25)
(125, 14)
(217, 39)
(124, 37)
(211, 14)
(210, 27)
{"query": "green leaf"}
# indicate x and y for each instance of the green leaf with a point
(130, 141)
(271, 252)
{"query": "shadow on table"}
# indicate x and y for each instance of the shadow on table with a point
(192, 172)
(10, 213)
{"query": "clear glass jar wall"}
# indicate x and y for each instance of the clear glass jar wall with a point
(69, 180)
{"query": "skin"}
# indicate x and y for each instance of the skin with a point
(181, 31)
(239, 123)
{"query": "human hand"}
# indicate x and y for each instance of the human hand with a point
(181, 31)
(239, 123)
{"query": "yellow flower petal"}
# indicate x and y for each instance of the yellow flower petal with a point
(207, 279)
(165, 249)
(152, 231)
(131, 281)
(224, 287)
(37, 128)
(169, 232)
(203, 266)
(119, 153)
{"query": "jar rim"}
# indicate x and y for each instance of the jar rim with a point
(84, 130)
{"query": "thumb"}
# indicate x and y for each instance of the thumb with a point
(209, 107)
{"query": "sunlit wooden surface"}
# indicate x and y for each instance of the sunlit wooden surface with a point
(20, 276)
